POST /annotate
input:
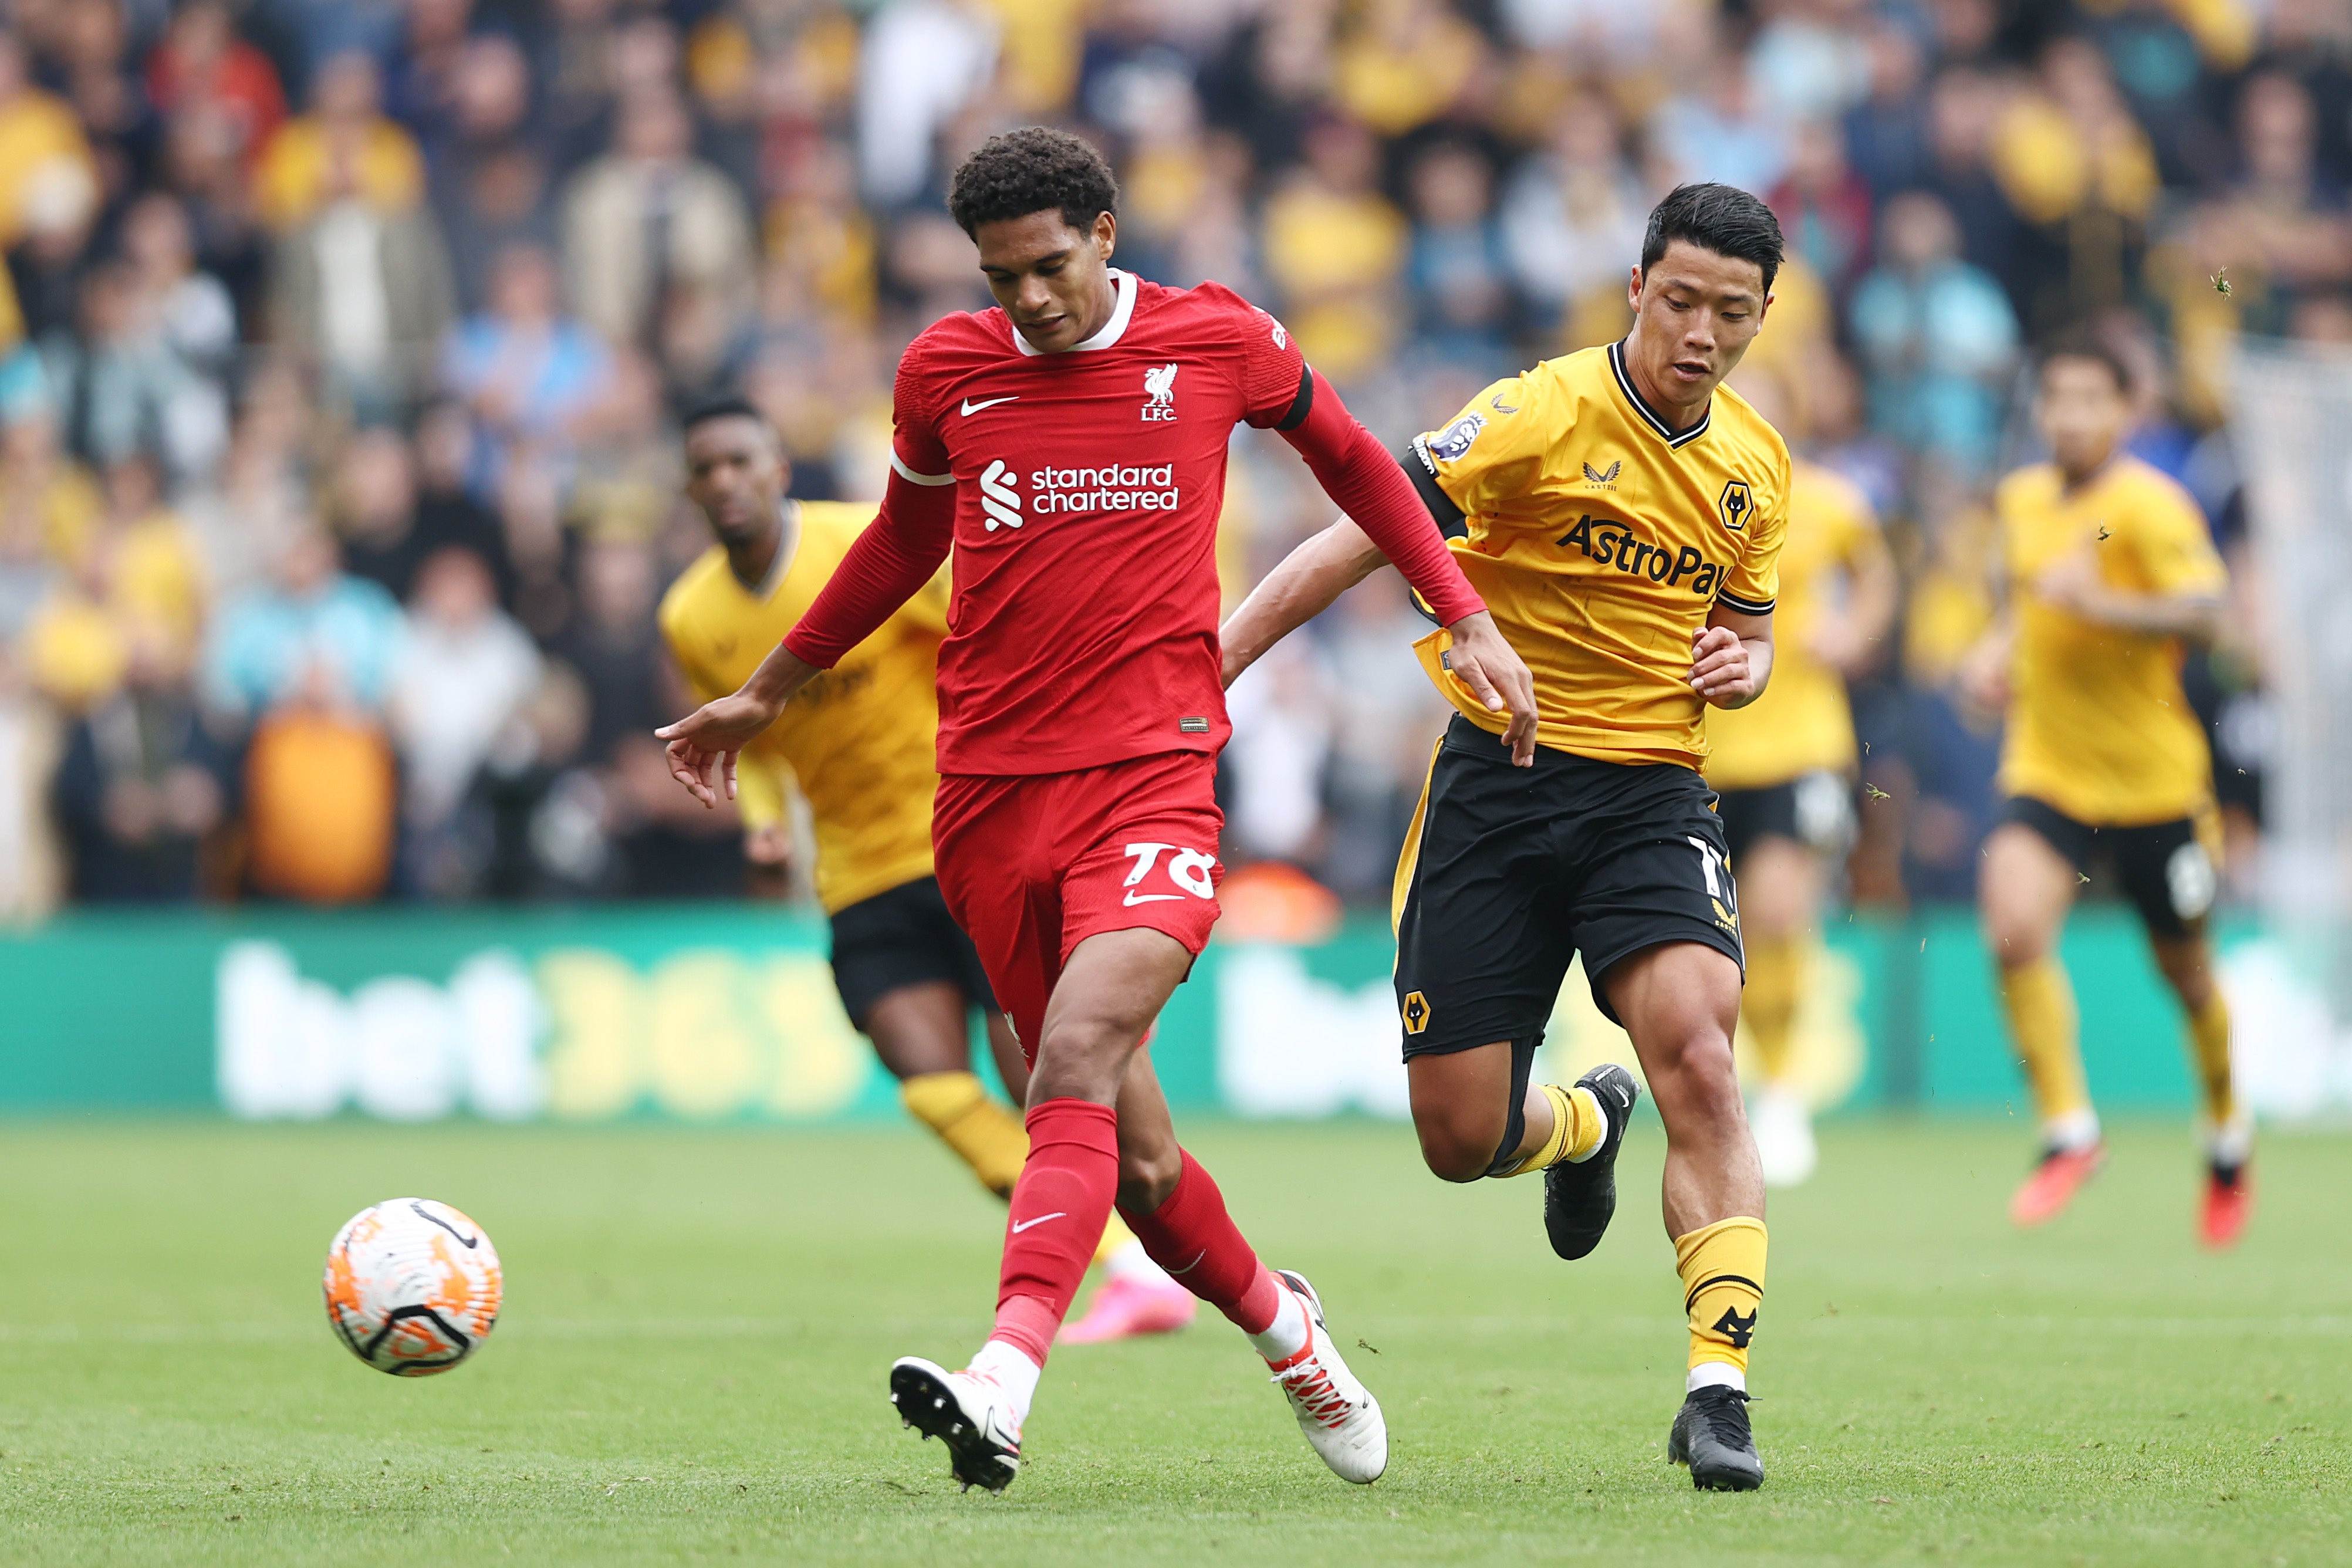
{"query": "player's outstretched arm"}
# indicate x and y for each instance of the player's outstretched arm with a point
(2073, 583)
(1326, 566)
(705, 745)
(1731, 658)
(1982, 674)
(1355, 470)
(1302, 587)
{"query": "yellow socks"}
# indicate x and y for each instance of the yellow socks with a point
(1776, 979)
(2208, 1038)
(1722, 1266)
(1578, 1126)
(984, 1135)
(2041, 1003)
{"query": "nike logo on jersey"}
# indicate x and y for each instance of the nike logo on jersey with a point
(970, 407)
(1021, 1224)
(1134, 898)
(1499, 406)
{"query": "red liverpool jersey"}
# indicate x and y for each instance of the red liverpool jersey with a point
(1088, 485)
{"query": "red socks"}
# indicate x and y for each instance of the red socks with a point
(1192, 1238)
(1059, 1207)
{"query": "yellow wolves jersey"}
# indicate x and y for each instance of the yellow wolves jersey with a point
(1802, 724)
(2098, 726)
(859, 740)
(1600, 538)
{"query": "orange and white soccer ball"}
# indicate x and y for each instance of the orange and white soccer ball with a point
(412, 1286)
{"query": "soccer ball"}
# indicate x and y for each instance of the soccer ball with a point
(412, 1286)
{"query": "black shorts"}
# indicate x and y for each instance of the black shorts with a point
(1510, 872)
(904, 936)
(2166, 869)
(1815, 809)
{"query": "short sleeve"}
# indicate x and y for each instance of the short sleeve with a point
(1859, 538)
(2174, 547)
(916, 452)
(673, 619)
(2009, 514)
(1490, 452)
(1752, 587)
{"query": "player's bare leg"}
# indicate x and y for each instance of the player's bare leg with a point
(2187, 965)
(2024, 890)
(1478, 1115)
(922, 1035)
(1680, 1003)
(1100, 1129)
(1780, 900)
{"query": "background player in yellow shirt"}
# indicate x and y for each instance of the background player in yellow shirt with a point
(1621, 512)
(858, 741)
(2108, 568)
(1782, 769)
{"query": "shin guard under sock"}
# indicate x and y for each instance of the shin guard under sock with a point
(1059, 1204)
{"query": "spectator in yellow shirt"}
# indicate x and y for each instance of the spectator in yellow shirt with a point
(346, 122)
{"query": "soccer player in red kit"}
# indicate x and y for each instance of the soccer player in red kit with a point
(1069, 446)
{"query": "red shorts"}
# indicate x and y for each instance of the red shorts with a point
(1031, 865)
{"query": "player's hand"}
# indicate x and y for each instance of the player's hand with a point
(1498, 678)
(1721, 672)
(1837, 643)
(1983, 675)
(703, 745)
(770, 847)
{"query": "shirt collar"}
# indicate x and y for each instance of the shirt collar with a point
(1122, 307)
(1648, 416)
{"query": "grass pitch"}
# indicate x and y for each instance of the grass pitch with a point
(692, 1361)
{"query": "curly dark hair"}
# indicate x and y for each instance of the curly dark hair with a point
(1721, 218)
(1028, 171)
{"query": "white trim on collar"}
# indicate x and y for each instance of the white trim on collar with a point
(1122, 308)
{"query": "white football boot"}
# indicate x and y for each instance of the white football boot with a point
(1341, 1417)
(971, 1413)
(1783, 1127)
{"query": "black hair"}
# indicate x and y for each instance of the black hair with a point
(1032, 170)
(724, 406)
(2080, 344)
(1721, 218)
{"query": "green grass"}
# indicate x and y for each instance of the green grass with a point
(691, 1364)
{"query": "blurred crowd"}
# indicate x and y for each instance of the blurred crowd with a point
(343, 342)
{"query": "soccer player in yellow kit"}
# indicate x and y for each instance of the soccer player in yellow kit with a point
(2109, 569)
(1782, 769)
(858, 743)
(1621, 512)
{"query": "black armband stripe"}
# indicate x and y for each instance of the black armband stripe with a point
(1301, 405)
(1417, 468)
(1745, 607)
